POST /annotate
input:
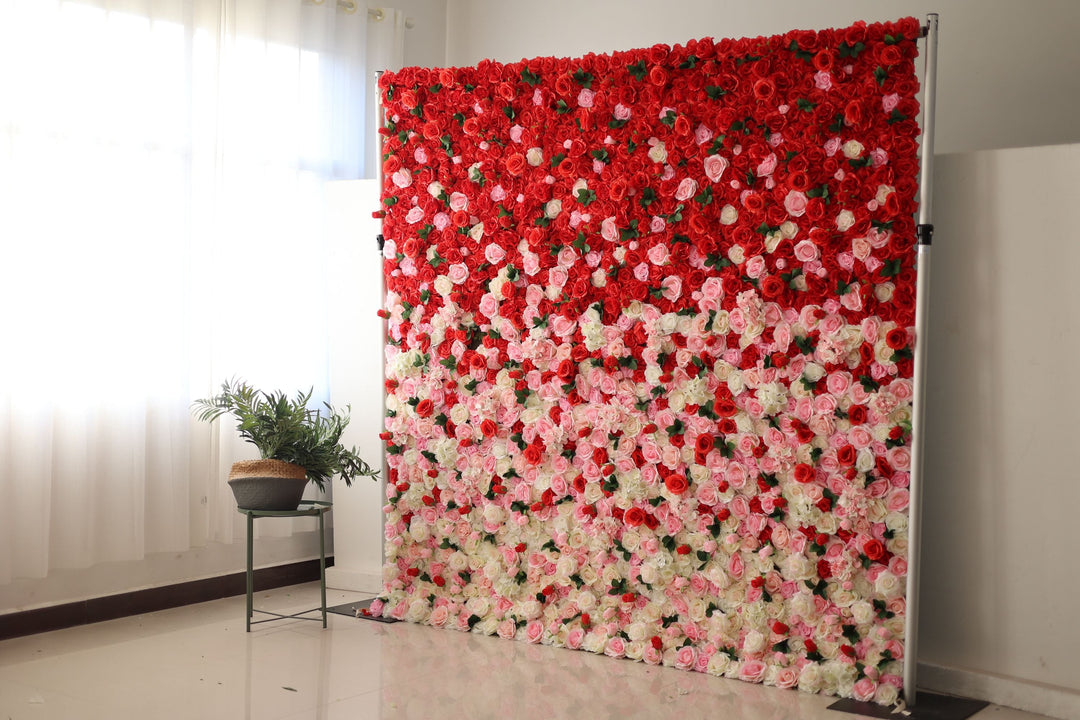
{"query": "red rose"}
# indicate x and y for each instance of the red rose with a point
(425, 408)
(533, 454)
(676, 484)
(824, 569)
(874, 550)
(846, 455)
(896, 338)
(634, 517)
(488, 427)
(857, 414)
(804, 473)
(516, 164)
(704, 443)
(683, 550)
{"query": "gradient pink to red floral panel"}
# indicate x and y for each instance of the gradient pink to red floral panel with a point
(649, 370)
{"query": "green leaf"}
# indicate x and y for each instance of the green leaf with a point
(583, 78)
(530, 77)
(638, 70)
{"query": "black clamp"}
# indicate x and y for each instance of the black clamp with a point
(381, 240)
(925, 232)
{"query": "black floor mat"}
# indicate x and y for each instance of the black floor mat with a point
(356, 609)
(930, 706)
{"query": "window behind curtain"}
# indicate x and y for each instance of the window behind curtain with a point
(161, 228)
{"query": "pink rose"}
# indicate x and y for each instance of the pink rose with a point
(671, 287)
(715, 165)
(621, 112)
(415, 215)
(686, 190)
(574, 638)
(489, 306)
(616, 648)
(752, 671)
(823, 80)
(507, 629)
(864, 690)
(702, 134)
(534, 631)
(658, 254)
(457, 273)
(439, 616)
(767, 166)
(795, 203)
(685, 657)
(494, 254)
(585, 98)
(458, 201)
(787, 677)
(609, 230)
(805, 250)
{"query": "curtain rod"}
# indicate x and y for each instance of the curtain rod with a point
(376, 14)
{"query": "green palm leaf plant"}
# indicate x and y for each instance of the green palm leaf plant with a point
(285, 428)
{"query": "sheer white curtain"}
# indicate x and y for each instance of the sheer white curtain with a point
(162, 165)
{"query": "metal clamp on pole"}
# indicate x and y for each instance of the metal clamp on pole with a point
(925, 233)
(381, 240)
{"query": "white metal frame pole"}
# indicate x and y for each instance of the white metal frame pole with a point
(377, 158)
(925, 231)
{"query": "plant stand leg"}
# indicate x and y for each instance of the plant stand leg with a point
(322, 563)
(250, 579)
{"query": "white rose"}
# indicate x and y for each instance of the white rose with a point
(728, 215)
(754, 642)
(493, 515)
(443, 286)
(852, 149)
(535, 156)
(884, 291)
(736, 254)
(888, 585)
(658, 153)
(418, 530)
(585, 601)
(813, 372)
(845, 220)
(553, 208)
(862, 612)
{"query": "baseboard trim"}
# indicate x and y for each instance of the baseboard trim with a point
(1030, 696)
(110, 607)
(341, 578)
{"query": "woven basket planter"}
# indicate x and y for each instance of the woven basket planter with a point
(267, 484)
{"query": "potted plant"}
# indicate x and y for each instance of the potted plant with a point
(297, 445)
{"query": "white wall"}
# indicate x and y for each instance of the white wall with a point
(1000, 555)
(356, 379)
(1007, 74)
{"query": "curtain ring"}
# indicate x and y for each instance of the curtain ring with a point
(348, 6)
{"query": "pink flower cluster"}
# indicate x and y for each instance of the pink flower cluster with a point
(649, 353)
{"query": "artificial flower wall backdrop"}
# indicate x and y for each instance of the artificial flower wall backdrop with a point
(649, 360)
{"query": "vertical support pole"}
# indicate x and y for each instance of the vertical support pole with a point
(925, 233)
(379, 122)
(250, 558)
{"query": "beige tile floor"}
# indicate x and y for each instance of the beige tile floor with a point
(197, 662)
